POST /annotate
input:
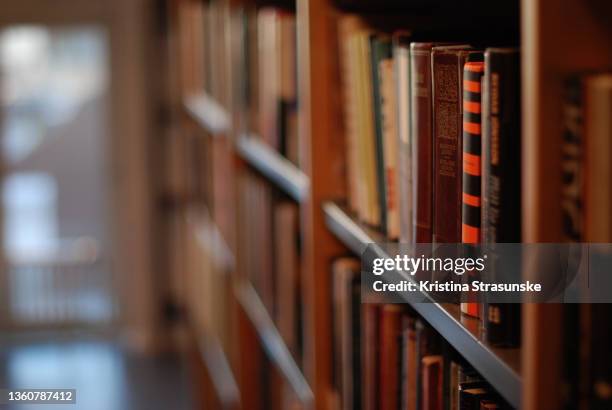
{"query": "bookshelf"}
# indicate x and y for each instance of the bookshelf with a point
(555, 41)
(501, 367)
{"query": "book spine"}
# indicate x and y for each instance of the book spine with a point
(472, 164)
(390, 331)
(370, 356)
(427, 344)
(380, 50)
(390, 147)
(573, 230)
(432, 382)
(287, 272)
(345, 274)
(470, 228)
(572, 170)
(502, 167)
(401, 57)
(349, 75)
(409, 366)
(503, 142)
(421, 138)
(368, 152)
(447, 114)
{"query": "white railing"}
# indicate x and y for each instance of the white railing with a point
(70, 285)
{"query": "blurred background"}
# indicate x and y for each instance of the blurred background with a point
(81, 292)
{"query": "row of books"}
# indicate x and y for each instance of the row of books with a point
(387, 357)
(270, 248)
(433, 143)
(586, 205)
(268, 77)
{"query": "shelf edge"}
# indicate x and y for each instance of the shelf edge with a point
(220, 371)
(279, 170)
(208, 113)
(273, 344)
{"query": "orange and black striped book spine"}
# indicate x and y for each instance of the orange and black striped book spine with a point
(473, 72)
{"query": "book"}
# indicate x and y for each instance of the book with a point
(380, 51)
(573, 381)
(447, 72)
(486, 404)
(367, 140)
(470, 398)
(346, 331)
(572, 162)
(370, 359)
(431, 373)
(472, 165)
(349, 26)
(268, 65)
(287, 275)
(427, 344)
(409, 364)
(472, 147)
(501, 205)
(401, 63)
(421, 140)
(287, 98)
(277, 78)
(390, 142)
(390, 337)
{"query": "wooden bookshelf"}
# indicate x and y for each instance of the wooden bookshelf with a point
(555, 42)
(273, 343)
(208, 113)
(277, 169)
(501, 367)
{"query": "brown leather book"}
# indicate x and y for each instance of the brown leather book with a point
(421, 134)
(431, 373)
(447, 82)
(370, 382)
(390, 337)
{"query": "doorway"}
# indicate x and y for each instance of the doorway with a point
(54, 93)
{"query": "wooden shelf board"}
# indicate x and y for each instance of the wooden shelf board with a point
(500, 367)
(208, 113)
(272, 342)
(219, 369)
(279, 170)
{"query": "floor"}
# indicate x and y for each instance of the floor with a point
(105, 376)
